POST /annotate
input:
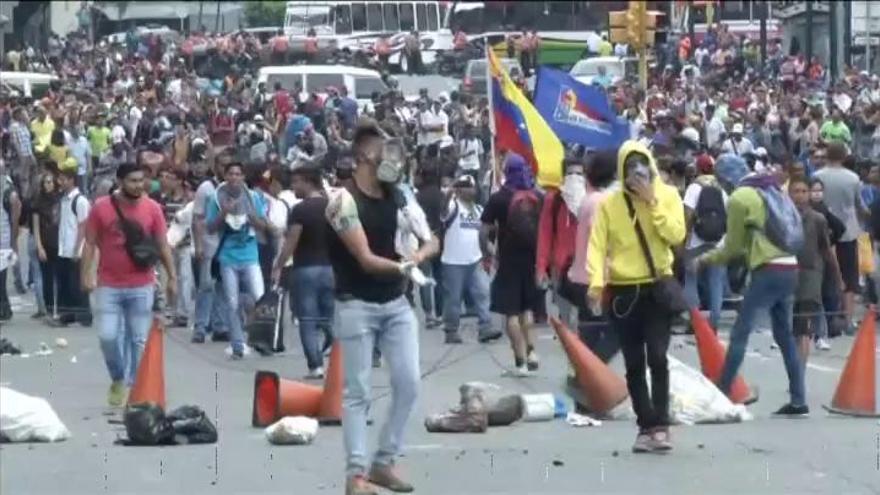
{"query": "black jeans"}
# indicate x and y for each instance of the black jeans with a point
(5, 308)
(73, 303)
(50, 286)
(267, 257)
(642, 326)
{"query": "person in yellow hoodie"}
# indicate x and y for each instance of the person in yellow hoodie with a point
(641, 321)
(42, 127)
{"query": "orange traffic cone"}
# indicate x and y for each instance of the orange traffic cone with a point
(856, 392)
(330, 411)
(712, 354)
(149, 383)
(602, 388)
(275, 397)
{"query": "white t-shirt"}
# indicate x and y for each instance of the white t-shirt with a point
(691, 197)
(470, 151)
(205, 193)
(461, 244)
(68, 222)
(743, 147)
(429, 118)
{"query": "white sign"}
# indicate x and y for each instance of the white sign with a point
(862, 40)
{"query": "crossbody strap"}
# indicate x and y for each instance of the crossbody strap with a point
(641, 235)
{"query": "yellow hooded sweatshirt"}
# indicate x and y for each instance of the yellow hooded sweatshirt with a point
(613, 239)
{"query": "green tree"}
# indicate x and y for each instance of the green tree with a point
(265, 13)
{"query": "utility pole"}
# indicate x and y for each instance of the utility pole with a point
(868, 36)
(833, 33)
(762, 12)
(201, 8)
(217, 19)
(808, 50)
(847, 31)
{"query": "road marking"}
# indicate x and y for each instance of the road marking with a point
(826, 369)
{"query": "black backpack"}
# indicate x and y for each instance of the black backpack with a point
(710, 216)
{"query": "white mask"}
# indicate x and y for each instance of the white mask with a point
(573, 190)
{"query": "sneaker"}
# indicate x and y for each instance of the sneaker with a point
(315, 374)
(377, 361)
(823, 344)
(386, 477)
(237, 354)
(532, 360)
(453, 338)
(358, 485)
(489, 336)
(643, 443)
(180, 322)
(522, 371)
(432, 322)
(220, 337)
(198, 338)
(659, 440)
(116, 395)
(38, 315)
(793, 411)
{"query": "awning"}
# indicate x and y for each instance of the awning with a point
(120, 11)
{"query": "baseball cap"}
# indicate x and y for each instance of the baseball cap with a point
(737, 129)
(464, 180)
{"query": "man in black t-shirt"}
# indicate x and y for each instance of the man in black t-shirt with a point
(370, 281)
(312, 276)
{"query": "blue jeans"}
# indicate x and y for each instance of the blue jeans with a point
(772, 290)
(313, 294)
(124, 318)
(393, 326)
(459, 280)
(714, 277)
(234, 276)
(209, 313)
(36, 274)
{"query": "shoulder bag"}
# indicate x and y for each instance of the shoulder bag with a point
(667, 292)
(141, 247)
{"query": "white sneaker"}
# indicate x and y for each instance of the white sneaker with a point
(532, 361)
(522, 371)
(315, 374)
(823, 345)
(774, 346)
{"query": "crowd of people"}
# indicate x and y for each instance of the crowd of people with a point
(194, 194)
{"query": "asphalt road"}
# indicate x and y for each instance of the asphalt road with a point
(822, 454)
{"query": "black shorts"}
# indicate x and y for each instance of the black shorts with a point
(848, 259)
(804, 321)
(513, 289)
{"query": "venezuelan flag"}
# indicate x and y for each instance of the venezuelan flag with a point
(521, 129)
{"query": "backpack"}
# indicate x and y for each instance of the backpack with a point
(710, 217)
(522, 218)
(783, 226)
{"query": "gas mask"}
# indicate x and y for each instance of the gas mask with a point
(391, 165)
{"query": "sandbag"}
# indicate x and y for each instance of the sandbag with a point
(695, 399)
(24, 418)
(292, 430)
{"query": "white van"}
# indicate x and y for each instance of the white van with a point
(361, 83)
(30, 84)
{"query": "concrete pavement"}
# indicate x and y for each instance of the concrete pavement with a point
(822, 454)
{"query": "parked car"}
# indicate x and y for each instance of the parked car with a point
(474, 81)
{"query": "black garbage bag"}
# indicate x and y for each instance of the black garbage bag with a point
(265, 330)
(146, 424)
(191, 425)
(7, 347)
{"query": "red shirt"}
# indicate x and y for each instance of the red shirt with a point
(115, 268)
(555, 250)
(282, 103)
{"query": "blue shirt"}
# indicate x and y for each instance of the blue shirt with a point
(349, 109)
(81, 151)
(239, 247)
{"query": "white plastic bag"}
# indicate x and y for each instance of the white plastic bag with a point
(29, 419)
(292, 430)
(695, 399)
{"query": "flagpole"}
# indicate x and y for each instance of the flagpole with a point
(493, 186)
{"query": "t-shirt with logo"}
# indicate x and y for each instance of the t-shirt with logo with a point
(461, 244)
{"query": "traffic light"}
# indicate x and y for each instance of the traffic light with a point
(634, 26)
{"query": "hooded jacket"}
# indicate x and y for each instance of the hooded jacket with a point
(613, 236)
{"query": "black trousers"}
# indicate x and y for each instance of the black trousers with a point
(73, 303)
(5, 307)
(50, 286)
(267, 257)
(643, 328)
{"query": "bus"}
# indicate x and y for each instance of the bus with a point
(357, 25)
